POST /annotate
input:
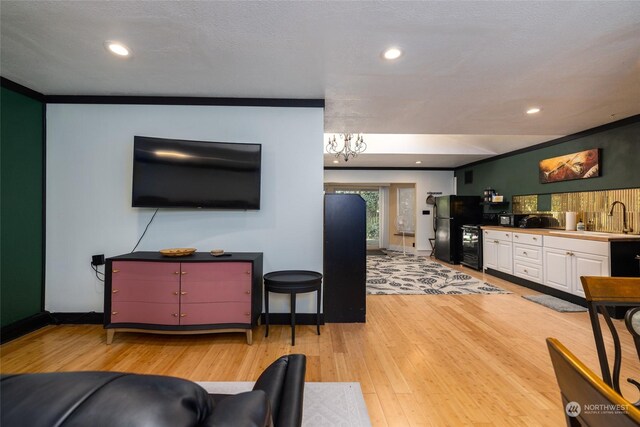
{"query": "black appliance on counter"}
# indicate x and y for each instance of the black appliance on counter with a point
(452, 213)
(511, 220)
(472, 246)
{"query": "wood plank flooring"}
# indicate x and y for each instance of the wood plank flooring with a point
(432, 360)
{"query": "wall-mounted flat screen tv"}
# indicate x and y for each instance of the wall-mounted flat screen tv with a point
(173, 173)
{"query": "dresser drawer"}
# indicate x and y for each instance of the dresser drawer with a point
(217, 272)
(216, 282)
(143, 312)
(528, 239)
(527, 253)
(194, 292)
(528, 271)
(137, 271)
(212, 313)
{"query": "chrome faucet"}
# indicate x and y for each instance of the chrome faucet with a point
(625, 230)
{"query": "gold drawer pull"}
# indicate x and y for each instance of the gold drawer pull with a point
(113, 313)
(525, 270)
(516, 236)
(247, 272)
(183, 293)
(247, 314)
(495, 241)
(176, 272)
(183, 315)
(248, 292)
(115, 271)
(535, 238)
(506, 234)
(115, 291)
(175, 293)
(183, 272)
(174, 314)
(524, 253)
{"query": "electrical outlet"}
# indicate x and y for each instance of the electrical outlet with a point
(97, 260)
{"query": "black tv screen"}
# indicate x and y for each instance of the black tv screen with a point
(179, 173)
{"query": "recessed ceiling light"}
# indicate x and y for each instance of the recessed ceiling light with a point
(392, 53)
(418, 162)
(336, 161)
(117, 48)
(533, 110)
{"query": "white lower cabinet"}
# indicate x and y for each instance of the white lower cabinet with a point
(556, 262)
(497, 250)
(564, 264)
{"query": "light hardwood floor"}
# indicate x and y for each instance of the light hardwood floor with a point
(421, 360)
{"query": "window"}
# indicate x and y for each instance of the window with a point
(406, 210)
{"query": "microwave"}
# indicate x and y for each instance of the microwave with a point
(510, 220)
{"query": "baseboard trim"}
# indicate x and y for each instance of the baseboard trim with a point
(24, 326)
(285, 319)
(89, 318)
(538, 287)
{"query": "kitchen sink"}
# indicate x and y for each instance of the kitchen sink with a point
(593, 233)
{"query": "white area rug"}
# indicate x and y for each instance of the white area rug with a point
(398, 274)
(325, 404)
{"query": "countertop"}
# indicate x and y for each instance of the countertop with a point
(597, 236)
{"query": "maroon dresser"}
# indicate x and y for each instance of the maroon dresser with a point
(194, 294)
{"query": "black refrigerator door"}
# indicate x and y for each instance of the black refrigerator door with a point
(443, 207)
(466, 209)
(443, 239)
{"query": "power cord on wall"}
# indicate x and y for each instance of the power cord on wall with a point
(97, 272)
(145, 230)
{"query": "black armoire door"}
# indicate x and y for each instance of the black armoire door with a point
(345, 262)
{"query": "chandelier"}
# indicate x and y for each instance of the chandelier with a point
(348, 150)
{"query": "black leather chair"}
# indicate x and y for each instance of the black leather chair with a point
(119, 399)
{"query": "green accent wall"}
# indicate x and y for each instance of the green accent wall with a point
(21, 210)
(518, 174)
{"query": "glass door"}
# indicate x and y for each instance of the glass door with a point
(372, 200)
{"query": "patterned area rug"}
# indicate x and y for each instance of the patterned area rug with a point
(397, 274)
(324, 404)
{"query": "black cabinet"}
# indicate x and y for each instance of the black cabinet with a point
(345, 262)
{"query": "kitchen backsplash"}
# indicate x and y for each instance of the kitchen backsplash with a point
(590, 205)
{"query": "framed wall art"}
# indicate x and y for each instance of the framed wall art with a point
(580, 165)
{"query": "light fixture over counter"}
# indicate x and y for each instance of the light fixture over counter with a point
(351, 146)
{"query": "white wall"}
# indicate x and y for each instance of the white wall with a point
(89, 170)
(425, 182)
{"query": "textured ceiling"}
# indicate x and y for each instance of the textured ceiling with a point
(469, 68)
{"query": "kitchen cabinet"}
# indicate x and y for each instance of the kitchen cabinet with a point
(147, 292)
(567, 259)
(497, 250)
(527, 256)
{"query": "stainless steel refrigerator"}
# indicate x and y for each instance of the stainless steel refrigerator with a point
(452, 212)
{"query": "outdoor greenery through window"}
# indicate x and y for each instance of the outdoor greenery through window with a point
(372, 199)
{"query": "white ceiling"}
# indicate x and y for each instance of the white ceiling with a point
(468, 73)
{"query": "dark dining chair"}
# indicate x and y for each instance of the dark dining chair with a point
(603, 293)
(586, 399)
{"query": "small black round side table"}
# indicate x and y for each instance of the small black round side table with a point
(292, 282)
